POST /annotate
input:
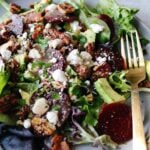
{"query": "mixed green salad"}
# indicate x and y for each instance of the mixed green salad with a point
(62, 78)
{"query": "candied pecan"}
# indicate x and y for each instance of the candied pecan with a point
(23, 112)
(55, 34)
(145, 83)
(15, 45)
(14, 68)
(83, 71)
(101, 71)
(59, 144)
(90, 48)
(14, 8)
(33, 17)
(57, 17)
(7, 102)
(42, 126)
(65, 8)
(37, 31)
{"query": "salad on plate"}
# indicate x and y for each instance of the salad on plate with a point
(62, 78)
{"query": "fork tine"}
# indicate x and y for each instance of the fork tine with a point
(134, 52)
(140, 51)
(128, 52)
(123, 52)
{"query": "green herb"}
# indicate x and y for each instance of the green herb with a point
(55, 96)
(40, 64)
(70, 71)
(40, 7)
(43, 42)
(82, 40)
(21, 102)
(56, 107)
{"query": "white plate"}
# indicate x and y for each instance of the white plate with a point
(145, 97)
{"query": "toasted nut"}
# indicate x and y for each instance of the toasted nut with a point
(14, 8)
(42, 126)
(65, 8)
(7, 102)
(59, 144)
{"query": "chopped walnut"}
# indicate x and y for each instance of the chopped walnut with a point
(90, 48)
(65, 8)
(37, 31)
(23, 112)
(83, 71)
(59, 144)
(33, 17)
(55, 34)
(42, 126)
(7, 103)
(14, 8)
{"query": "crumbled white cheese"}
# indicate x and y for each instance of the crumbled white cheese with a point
(52, 117)
(2, 65)
(6, 54)
(85, 55)
(101, 60)
(55, 43)
(27, 123)
(96, 28)
(59, 75)
(34, 53)
(74, 57)
(48, 26)
(24, 35)
(83, 58)
(40, 106)
(87, 82)
(2, 31)
(75, 26)
(51, 7)
(53, 60)
(32, 27)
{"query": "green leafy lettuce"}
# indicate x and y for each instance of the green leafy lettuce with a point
(119, 81)
(4, 77)
(123, 16)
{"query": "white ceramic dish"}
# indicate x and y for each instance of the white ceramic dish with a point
(145, 97)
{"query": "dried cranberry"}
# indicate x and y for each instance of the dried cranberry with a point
(64, 108)
(112, 57)
(115, 120)
(109, 22)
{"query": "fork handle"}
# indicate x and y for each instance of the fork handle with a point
(139, 142)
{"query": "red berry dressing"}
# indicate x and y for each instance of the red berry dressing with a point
(115, 120)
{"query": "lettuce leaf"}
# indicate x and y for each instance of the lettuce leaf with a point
(7, 119)
(118, 80)
(4, 76)
(123, 16)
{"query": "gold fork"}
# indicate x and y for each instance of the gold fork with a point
(132, 54)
